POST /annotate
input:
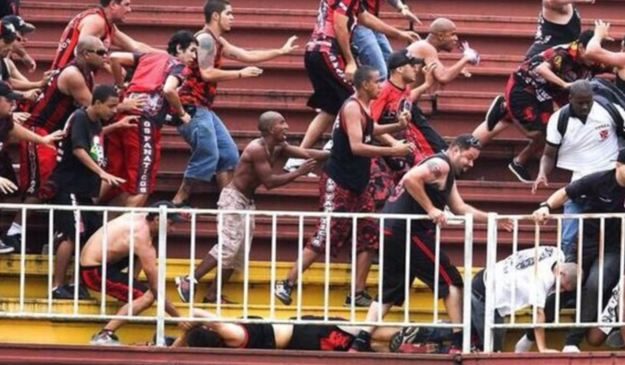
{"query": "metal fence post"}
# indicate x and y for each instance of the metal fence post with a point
(491, 260)
(468, 264)
(162, 252)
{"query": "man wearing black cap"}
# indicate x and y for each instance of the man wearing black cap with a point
(145, 228)
(22, 29)
(77, 176)
(10, 130)
(605, 193)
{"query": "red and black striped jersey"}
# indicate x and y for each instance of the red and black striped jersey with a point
(196, 91)
(69, 38)
(323, 38)
(52, 108)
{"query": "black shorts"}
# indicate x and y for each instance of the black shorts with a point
(524, 107)
(116, 280)
(326, 72)
(422, 265)
(319, 337)
(65, 221)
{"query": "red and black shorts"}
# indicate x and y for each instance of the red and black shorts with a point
(326, 72)
(421, 132)
(116, 284)
(422, 266)
(382, 181)
(524, 107)
(134, 155)
(320, 337)
(36, 163)
(334, 198)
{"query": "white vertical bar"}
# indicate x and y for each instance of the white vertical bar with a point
(352, 306)
(300, 245)
(77, 225)
(50, 256)
(326, 280)
(468, 281)
(491, 260)
(601, 268)
(408, 283)
(192, 262)
(131, 263)
(580, 244)
(23, 261)
(220, 247)
(272, 284)
(437, 263)
(620, 282)
(104, 261)
(558, 281)
(535, 276)
(246, 271)
(515, 247)
(162, 271)
(381, 268)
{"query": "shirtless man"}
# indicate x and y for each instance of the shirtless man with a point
(145, 228)
(253, 170)
(441, 37)
(315, 337)
(100, 22)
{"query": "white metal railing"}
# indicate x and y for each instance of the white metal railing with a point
(160, 318)
(271, 314)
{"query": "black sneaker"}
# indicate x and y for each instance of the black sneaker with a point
(407, 335)
(496, 112)
(61, 292)
(14, 241)
(362, 343)
(83, 293)
(520, 172)
(363, 299)
(5, 249)
(183, 284)
(105, 338)
(283, 291)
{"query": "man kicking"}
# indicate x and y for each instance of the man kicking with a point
(253, 170)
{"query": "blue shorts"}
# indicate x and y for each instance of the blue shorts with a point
(212, 148)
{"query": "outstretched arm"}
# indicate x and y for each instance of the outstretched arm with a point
(307, 153)
(236, 53)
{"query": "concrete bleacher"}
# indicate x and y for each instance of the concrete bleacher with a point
(501, 31)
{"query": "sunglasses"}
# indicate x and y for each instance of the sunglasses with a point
(474, 142)
(99, 52)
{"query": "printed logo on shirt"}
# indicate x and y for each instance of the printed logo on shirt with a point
(97, 151)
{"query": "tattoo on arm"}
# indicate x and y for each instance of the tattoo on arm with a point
(206, 51)
(435, 169)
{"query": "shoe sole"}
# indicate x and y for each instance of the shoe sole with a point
(491, 108)
(521, 179)
(177, 280)
(284, 299)
(5, 251)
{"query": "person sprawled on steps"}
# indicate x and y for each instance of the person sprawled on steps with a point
(530, 94)
(9, 130)
(343, 185)
(213, 151)
(255, 168)
(313, 337)
(425, 190)
(76, 179)
(144, 227)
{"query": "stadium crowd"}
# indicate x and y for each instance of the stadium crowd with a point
(83, 144)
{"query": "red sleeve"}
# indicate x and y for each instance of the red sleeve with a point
(377, 105)
(556, 57)
(347, 7)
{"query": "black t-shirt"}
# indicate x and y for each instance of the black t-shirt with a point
(259, 336)
(6, 126)
(70, 175)
(549, 34)
(603, 195)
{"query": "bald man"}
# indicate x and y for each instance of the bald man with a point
(442, 37)
(255, 168)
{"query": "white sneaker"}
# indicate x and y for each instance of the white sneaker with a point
(570, 348)
(293, 163)
(523, 345)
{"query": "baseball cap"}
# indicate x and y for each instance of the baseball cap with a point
(7, 31)
(7, 92)
(176, 217)
(19, 24)
(621, 156)
(401, 58)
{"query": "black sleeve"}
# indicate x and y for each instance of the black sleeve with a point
(79, 132)
(178, 72)
(584, 186)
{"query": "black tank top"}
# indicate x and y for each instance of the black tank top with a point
(4, 71)
(620, 83)
(259, 336)
(346, 169)
(549, 34)
(401, 202)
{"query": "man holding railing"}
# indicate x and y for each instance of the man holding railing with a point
(605, 193)
(426, 189)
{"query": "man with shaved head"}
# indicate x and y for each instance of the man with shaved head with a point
(441, 37)
(255, 168)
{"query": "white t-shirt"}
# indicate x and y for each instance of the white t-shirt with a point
(533, 283)
(586, 147)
